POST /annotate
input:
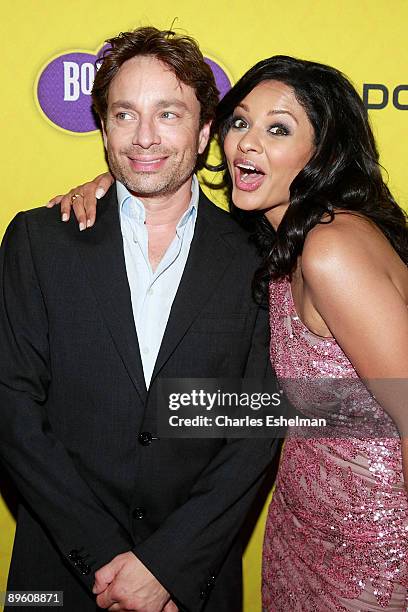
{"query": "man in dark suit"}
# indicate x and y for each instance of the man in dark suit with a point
(90, 321)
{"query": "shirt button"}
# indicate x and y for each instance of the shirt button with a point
(145, 438)
(150, 292)
(139, 513)
(145, 350)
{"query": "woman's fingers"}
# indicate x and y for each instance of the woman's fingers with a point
(55, 200)
(103, 182)
(74, 199)
(83, 200)
(92, 192)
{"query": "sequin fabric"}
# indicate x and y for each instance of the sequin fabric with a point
(337, 529)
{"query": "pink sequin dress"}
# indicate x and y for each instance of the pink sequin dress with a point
(337, 529)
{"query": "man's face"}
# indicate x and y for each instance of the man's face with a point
(151, 132)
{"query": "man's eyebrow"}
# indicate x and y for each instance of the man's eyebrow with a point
(159, 104)
(122, 104)
(171, 102)
(275, 111)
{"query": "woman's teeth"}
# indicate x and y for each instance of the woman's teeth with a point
(249, 173)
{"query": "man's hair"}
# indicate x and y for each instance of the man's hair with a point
(180, 53)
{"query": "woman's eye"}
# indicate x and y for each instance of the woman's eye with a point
(279, 130)
(239, 123)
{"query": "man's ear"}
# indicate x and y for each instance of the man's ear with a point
(204, 137)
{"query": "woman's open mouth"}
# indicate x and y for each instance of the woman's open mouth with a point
(248, 176)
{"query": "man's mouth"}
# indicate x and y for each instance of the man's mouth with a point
(248, 175)
(146, 163)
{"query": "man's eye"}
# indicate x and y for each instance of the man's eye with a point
(279, 130)
(239, 123)
(168, 115)
(123, 116)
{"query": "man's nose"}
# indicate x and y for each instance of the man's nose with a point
(146, 133)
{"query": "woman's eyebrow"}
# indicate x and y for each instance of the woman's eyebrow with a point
(275, 111)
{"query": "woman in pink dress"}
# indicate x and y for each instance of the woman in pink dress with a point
(302, 159)
(303, 165)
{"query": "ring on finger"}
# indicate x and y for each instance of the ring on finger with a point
(75, 196)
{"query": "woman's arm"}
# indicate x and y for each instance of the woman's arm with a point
(359, 286)
(84, 205)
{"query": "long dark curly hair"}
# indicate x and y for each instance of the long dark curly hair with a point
(343, 173)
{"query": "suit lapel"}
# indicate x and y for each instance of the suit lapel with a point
(208, 259)
(102, 252)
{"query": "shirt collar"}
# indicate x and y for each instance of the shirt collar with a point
(132, 207)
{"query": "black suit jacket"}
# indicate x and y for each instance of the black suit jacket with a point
(74, 405)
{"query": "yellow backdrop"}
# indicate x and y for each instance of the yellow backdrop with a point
(366, 40)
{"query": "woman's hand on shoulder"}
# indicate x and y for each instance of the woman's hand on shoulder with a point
(83, 200)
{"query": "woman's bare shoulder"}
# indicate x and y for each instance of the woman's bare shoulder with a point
(348, 252)
(349, 240)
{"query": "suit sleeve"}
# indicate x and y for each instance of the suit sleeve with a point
(85, 533)
(186, 552)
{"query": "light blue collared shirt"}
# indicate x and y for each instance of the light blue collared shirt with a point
(153, 293)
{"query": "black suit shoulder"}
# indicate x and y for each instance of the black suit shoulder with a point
(222, 222)
(45, 227)
(43, 223)
(219, 216)
(41, 216)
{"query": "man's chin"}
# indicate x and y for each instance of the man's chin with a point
(150, 188)
(147, 191)
(145, 184)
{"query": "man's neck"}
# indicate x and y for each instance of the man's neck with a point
(162, 216)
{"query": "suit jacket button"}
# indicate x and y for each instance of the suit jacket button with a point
(139, 513)
(145, 438)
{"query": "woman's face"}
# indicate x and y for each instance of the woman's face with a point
(271, 139)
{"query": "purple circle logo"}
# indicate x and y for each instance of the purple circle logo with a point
(222, 80)
(64, 88)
